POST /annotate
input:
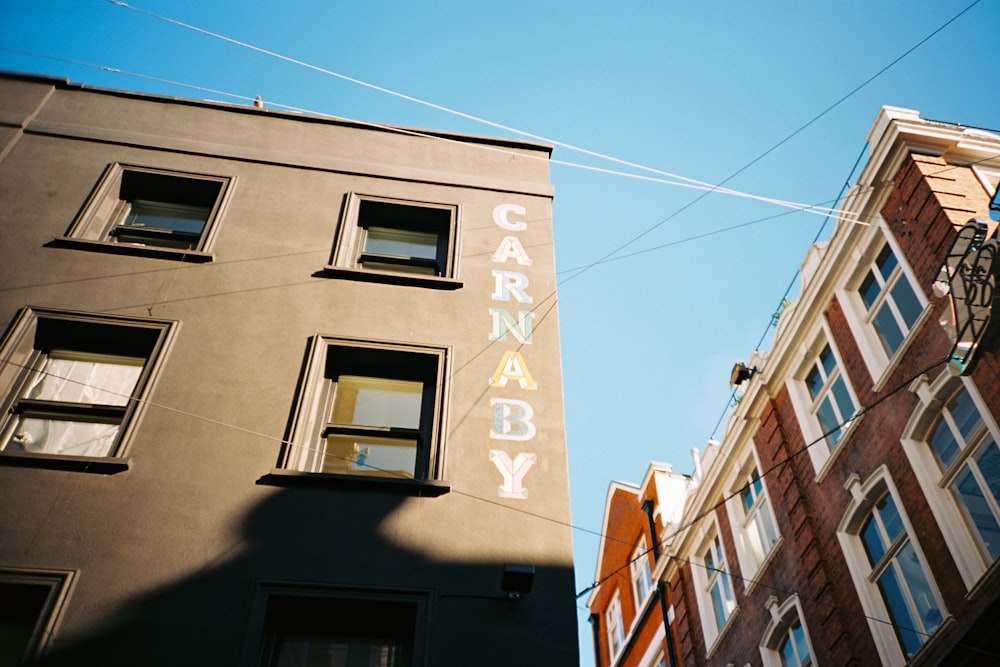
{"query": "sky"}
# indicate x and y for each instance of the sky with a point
(773, 97)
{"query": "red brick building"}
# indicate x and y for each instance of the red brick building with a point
(851, 513)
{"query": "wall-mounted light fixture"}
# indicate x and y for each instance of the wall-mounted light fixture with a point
(741, 373)
(516, 580)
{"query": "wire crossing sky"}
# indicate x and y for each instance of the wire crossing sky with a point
(772, 99)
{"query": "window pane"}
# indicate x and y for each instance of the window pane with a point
(828, 361)
(814, 382)
(828, 421)
(368, 401)
(53, 436)
(173, 217)
(297, 651)
(870, 289)
(968, 490)
(842, 399)
(74, 381)
(928, 615)
(872, 539)
(888, 329)
(364, 455)
(401, 242)
(988, 460)
(906, 301)
(21, 606)
(886, 262)
(966, 415)
(944, 445)
(902, 620)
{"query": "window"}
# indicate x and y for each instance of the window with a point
(642, 580)
(29, 604)
(832, 404)
(340, 632)
(786, 642)
(397, 241)
(951, 443)
(616, 626)
(716, 603)
(759, 526)
(74, 381)
(370, 410)
(159, 213)
(892, 305)
(889, 571)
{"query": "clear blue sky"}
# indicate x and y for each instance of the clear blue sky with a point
(698, 89)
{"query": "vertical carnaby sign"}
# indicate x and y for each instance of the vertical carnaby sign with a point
(511, 322)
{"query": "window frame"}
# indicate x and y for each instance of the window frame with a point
(260, 640)
(778, 630)
(704, 582)
(349, 249)
(641, 571)
(59, 584)
(316, 394)
(21, 363)
(751, 561)
(614, 626)
(100, 219)
(961, 538)
(866, 577)
(879, 361)
(805, 405)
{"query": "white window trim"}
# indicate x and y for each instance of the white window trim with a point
(749, 565)
(963, 544)
(777, 629)
(640, 555)
(864, 495)
(819, 453)
(705, 610)
(879, 364)
(615, 604)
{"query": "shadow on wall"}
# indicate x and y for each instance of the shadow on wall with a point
(300, 551)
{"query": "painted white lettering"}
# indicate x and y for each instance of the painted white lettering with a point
(501, 216)
(503, 322)
(510, 247)
(510, 283)
(512, 420)
(513, 472)
(512, 367)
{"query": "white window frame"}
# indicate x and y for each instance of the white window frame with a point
(704, 581)
(751, 522)
(783, 617)
(962, 539)
(642, 574)
(859, 317)
(880, 622)
(805, 406)
(614, 624)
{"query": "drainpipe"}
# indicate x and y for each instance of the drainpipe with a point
(595, 629)
(661, 590)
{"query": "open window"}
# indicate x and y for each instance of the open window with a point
(370, 410)
(138, 210)
(74, 382)
(397, 241)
